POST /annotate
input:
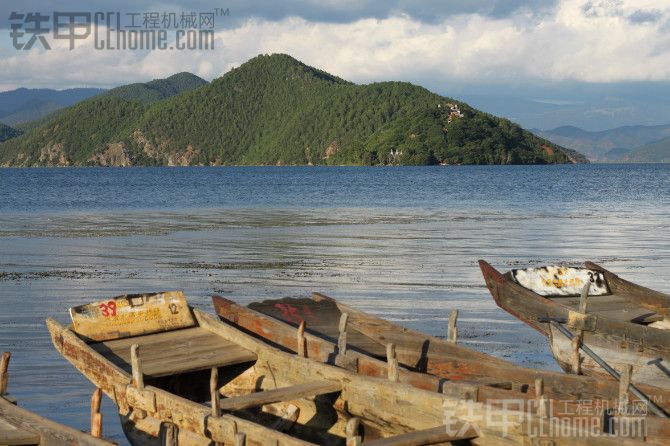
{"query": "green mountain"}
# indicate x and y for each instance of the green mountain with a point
(30, 112)
(6, 132)
(656, 152)
(148, 92)
(276, 110)
(158, 89)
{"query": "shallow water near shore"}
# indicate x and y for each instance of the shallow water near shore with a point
(402, 243)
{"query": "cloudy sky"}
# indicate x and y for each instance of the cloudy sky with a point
(591, 63)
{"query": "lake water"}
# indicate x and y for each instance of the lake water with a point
(402, 243)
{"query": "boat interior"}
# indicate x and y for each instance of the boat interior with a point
(564, 285)
(322, 319)
(190, 360)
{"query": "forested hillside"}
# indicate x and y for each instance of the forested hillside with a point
(276, 110)
(158, 89)
(7, 132)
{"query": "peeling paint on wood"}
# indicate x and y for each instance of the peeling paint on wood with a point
(131, 315)
(386, 408)
(567, 389)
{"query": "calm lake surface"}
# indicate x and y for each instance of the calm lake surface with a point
(402, 243)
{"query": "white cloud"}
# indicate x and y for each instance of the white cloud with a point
(581, 40)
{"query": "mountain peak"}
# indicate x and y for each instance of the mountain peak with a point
(185, 74)
(277, 110)
(280, 63)
(569, 130)
(158, 89)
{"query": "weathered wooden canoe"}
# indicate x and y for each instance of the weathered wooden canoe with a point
(179, 375)
(19, 426)
(426, 362)
(623, 323)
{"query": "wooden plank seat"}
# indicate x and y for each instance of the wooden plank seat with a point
(175, 352)
(282, 394)
(596, 303)
(613, 307)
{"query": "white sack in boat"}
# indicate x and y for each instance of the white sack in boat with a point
(560, 280)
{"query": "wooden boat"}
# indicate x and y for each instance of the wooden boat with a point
(428, 362)
(181, 376)
(624, 324)
(19, 426)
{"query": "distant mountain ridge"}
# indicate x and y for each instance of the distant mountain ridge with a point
(158, 89)
(26, 109)
(277, 110)
(656, 152)
(27, 104)
(608, 145)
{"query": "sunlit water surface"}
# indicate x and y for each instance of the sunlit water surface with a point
(402, 243)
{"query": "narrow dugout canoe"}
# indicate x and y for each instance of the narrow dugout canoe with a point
(19, 426)
(623, 323)
(179, 375)
(311, 327)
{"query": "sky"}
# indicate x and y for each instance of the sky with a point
(595, 64)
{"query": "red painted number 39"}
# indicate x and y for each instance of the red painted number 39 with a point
(108, 309)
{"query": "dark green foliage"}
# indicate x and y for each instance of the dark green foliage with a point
(158, 89)
(28, 126)
(140, 92)
(30, 112)
(6, 132)
(83, 129)
(276, 110)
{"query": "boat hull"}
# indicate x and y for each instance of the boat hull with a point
(618, 343)
(647, 366)
(567, 392)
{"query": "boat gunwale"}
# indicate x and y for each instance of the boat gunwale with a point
(359, 395)
(520, 298)
(194, 417)
(550, 378)
(51, 431)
